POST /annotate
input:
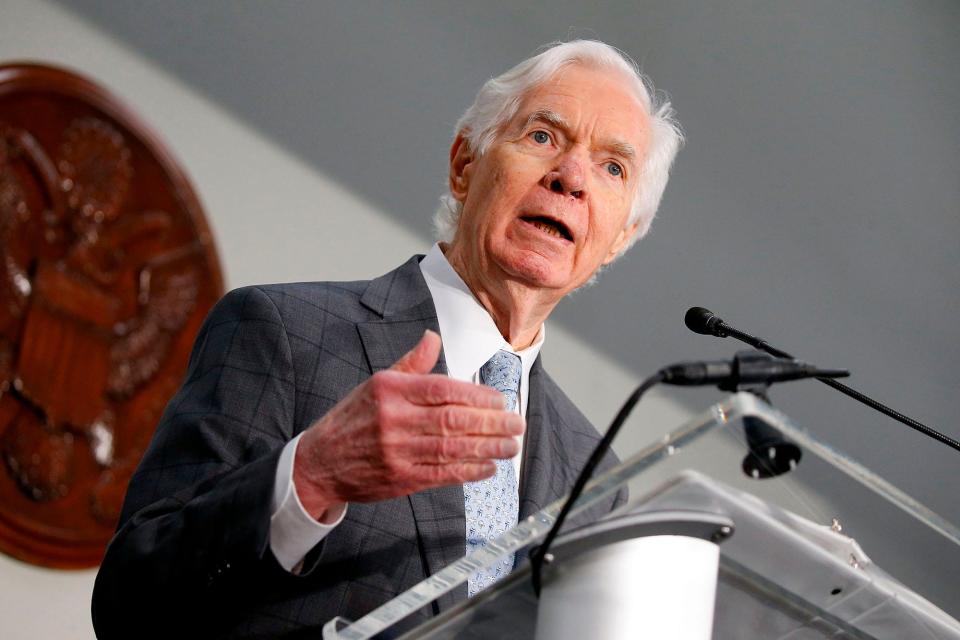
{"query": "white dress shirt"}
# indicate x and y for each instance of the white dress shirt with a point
(470, 338)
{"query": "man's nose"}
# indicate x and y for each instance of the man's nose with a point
(568, 177)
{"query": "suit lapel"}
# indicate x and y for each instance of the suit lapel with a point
(547, 474)
(545, 463)
(535, 469)
(403, 300)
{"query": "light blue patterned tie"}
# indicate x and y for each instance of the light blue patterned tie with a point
(491, 506)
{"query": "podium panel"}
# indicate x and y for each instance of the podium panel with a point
(799, 565)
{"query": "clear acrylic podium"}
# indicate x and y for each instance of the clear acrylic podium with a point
(828, 550)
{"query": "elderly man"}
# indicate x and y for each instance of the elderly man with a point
(326, 452)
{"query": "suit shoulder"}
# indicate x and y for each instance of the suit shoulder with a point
(293, 301)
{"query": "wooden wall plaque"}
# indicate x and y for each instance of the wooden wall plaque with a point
(107, 269)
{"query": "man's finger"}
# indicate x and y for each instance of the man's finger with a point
(445, 450)
(423, 357)
(437, 390)
(457, 420)
(437, 475)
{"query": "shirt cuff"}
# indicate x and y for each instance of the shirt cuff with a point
(293, 531)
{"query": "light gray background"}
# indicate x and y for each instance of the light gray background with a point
(816, 202)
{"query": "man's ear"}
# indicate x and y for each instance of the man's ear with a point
(622, 240)
(461, 159)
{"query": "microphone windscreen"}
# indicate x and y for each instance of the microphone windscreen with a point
(700, 320)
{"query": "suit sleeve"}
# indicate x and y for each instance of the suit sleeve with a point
(194, 530)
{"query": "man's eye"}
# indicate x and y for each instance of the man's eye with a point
(540, 137)
(614, 169)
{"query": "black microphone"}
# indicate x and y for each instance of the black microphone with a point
(705, 322)
(747, 368)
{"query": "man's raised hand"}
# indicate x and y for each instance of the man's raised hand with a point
(402, 431)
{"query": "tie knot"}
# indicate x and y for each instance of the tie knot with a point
(502, 372)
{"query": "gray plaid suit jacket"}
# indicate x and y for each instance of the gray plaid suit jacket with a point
(191, 556)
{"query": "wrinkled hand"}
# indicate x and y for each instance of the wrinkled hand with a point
(402, 431)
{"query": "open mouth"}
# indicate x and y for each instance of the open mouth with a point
(550, 227)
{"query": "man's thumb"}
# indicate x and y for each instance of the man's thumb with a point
(422, 357)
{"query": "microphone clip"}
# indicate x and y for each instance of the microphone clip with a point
(751, 367)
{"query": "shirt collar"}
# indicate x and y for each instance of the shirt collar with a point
(470, 337)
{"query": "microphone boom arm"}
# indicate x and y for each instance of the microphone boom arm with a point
(700, 320)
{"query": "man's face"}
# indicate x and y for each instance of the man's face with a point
(548, 203)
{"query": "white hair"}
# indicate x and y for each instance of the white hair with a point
(499, 98)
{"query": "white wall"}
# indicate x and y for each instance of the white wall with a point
(274, 219)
